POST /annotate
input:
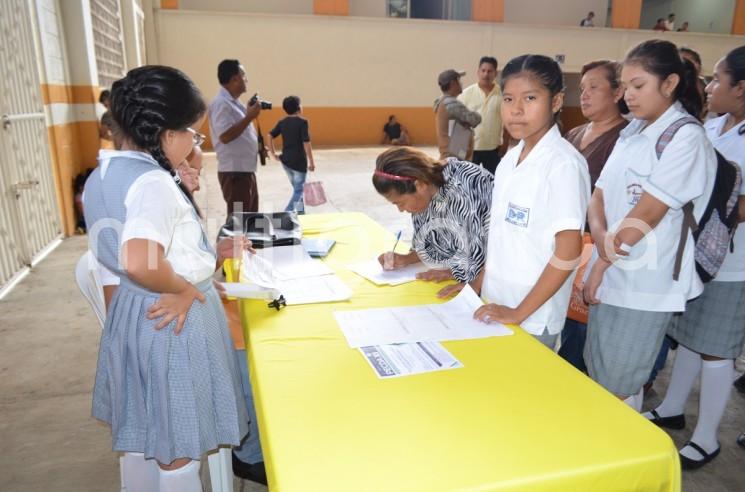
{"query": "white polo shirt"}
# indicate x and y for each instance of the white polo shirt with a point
(157, 210)
(545, 194)
(238, 155)
(732, 146)
(685, 172)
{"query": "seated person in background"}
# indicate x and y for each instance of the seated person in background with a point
(661, 25)
(394, 133)
(587, 21)
(449, 206)
(683, 27)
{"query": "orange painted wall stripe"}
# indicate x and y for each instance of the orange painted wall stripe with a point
(169, 4)
(70, 94)
(626, 14)
(487, 10)
(738, 18)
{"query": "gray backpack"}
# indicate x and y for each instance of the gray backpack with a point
(713, 233)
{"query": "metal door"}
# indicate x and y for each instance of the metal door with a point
(29, 215)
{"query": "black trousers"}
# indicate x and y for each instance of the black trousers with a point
(487, 158)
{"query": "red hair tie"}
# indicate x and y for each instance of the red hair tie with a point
(383, 174)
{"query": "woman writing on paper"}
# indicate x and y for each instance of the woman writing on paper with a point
(449, 205)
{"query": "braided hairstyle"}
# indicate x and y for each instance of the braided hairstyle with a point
(150, 100)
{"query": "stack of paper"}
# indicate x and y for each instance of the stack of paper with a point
(289, 271)
(452, 320)
(373, 271)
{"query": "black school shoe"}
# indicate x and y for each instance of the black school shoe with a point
(741, 440)
(247, 471)
(676, 422)
(689, 464)
(739, 384)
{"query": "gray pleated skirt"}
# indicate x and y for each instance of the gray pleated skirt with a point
(622, 346)
(714, 322)
(165, 395)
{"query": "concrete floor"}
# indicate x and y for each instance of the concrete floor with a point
(49, 341)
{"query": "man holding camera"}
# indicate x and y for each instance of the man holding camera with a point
(235, 139)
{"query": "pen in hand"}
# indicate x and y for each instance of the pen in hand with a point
(389, 259)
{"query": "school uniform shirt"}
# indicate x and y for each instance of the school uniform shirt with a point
(546, 193)
(685, 172)
(732, 146)
(158, 211)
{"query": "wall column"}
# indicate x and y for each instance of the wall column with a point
(738, 18)
(626, 14)
(331, 7)
(487, 10)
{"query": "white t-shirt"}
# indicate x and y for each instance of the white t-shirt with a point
(546, 193)
(732, 146)
(685, 172)
(158, 211)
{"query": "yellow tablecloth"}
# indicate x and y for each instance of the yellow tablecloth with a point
(516, 417)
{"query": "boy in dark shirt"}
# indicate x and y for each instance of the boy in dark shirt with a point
(297, 155)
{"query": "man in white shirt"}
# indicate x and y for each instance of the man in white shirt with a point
(485, 98)
(670, 22)
(235, 139)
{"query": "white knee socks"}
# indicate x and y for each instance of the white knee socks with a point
(184, 479)
(716, 385)
(685, 370)
(636, 401)
(140, 475)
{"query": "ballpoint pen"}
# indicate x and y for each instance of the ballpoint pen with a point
(398, 237)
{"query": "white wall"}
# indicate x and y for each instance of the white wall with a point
(713, 16)
(554, 12)
(258, 6)
(368, 8)
(352, 62)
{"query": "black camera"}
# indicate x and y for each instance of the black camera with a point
(264, 104)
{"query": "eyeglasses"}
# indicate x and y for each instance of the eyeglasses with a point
(198, 137)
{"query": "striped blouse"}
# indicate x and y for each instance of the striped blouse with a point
(452, 231)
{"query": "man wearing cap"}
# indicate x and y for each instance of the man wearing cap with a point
(449, 112)
(486, 98)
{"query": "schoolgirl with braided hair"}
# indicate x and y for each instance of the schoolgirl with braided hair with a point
(167, 379)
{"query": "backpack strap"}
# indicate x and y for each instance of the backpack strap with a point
(689, 223)
(670, 132)
(689, 220)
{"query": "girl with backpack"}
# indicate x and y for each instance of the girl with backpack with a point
(711, 332)
(636, 216)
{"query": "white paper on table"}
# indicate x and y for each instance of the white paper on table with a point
(452, 320)
(373, 271)
(257, 270)
(311, 290)
(290, 262)
(249, 291)
(403, 359)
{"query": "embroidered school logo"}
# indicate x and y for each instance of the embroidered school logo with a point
(634, 193)
(517, 215)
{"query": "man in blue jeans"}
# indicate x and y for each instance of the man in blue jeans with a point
(297, 154)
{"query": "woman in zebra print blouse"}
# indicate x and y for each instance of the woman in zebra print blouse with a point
(449, 205)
